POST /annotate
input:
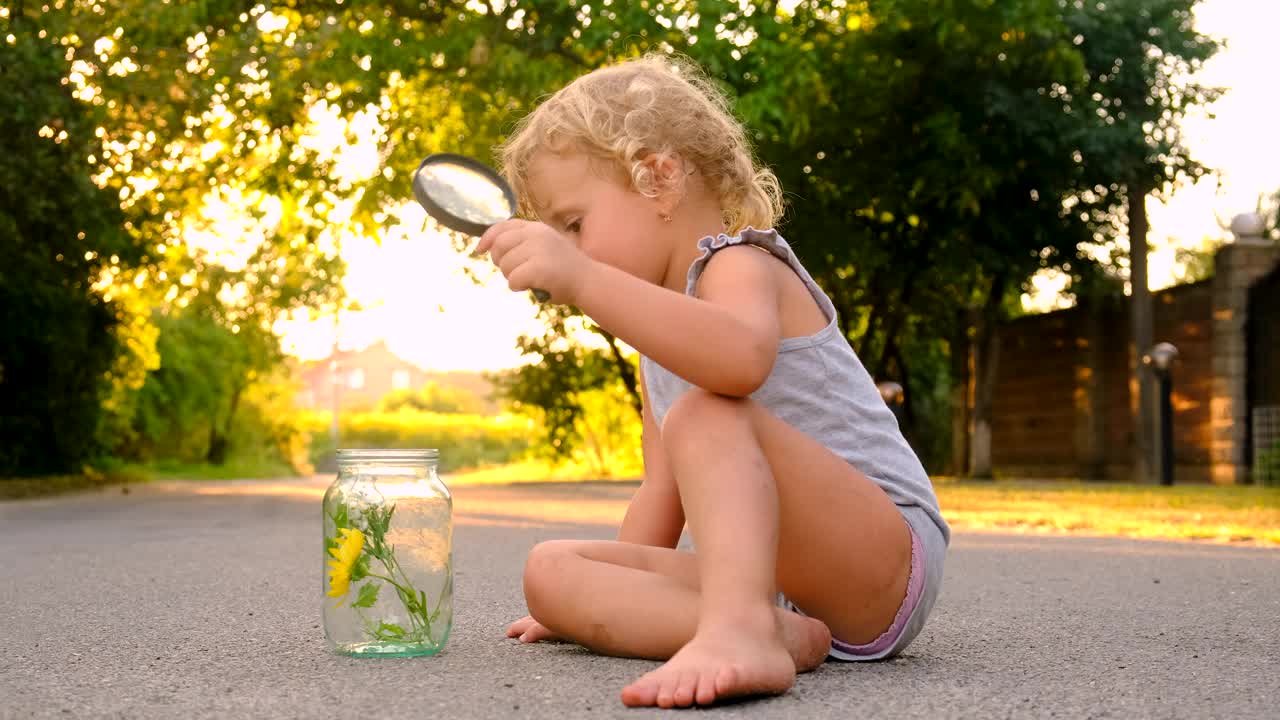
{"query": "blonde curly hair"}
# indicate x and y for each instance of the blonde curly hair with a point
(627, 112)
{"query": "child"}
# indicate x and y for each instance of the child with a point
(816, 530)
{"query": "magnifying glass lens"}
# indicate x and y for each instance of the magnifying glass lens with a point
(465, 193)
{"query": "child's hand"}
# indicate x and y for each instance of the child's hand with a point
(534, 255)
(530, 630)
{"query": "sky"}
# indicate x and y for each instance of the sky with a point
(417, 297)
(1241, 140)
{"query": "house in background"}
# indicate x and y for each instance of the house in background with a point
(366, 376)
(363, 376)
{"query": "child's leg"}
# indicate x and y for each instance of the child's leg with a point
(636, 601)
(769, 506)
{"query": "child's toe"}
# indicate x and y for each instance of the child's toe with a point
(641, 693)
(726, 680)
(667, 692)
(686, 688)
(706, 692)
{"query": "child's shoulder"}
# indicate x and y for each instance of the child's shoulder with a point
(739, 262)
(761, 237)
(742, 258)
(751, 243)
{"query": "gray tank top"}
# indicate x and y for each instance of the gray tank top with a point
(819, 386)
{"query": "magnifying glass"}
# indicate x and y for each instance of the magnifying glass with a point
(465, 195)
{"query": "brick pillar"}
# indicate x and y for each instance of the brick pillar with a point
(1236, 267)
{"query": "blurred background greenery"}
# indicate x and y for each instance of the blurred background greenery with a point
(937, 155)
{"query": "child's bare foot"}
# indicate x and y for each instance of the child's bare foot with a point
(529, 630)
(807, 639)
(734, 660)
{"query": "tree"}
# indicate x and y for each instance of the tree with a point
(1269, 209)
(562, 374)
(141, 153)
(978, 144)
(937, 155)
(1136, 72)
(60, 236)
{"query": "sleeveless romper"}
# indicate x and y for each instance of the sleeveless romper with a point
(819, 386)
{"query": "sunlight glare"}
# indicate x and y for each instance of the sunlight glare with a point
(1236, 143)
(415, 295)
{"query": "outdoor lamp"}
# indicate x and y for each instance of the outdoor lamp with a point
(891, 392)
(1248, 226)
(1160, 358)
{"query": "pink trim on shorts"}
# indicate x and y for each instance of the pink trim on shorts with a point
(915, 588)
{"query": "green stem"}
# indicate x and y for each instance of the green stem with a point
(419, 607)
(414, 602)
(408, 597)
(398, 586)
(440, 600)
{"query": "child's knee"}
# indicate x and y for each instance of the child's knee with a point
(694, 413)
(544, 572)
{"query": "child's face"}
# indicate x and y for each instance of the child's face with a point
(594, 205)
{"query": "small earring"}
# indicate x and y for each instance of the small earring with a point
(665, 217)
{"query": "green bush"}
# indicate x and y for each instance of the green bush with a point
(268, 431)
(609, 432)
(433, 397)
(207, 402)
(1267, 469)
(464, 441)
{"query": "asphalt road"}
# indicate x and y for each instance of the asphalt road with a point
(201, 600)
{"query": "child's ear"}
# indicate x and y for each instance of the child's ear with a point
(668, 172)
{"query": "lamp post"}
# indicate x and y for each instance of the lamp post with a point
(335, 389)
(335, 383)
(1160, 359)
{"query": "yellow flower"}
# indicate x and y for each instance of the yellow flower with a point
(350, 543)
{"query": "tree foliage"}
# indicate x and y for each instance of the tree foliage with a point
(59, 236)
(563, 372)
(936, 154)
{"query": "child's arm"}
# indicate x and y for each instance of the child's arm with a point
(654, 516)
(725, 341)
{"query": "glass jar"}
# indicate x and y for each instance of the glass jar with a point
(388, 571)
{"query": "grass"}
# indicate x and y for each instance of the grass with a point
(1236, 513)
(33, 487)
(464, 440)
(133, 474)
(528, 471)
(533, 471)
(233, 469)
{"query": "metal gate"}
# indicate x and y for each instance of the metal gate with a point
(1266, 445)
(1263, 333)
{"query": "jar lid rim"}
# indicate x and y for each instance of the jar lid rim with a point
(355, 454)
